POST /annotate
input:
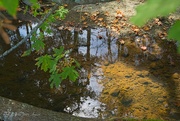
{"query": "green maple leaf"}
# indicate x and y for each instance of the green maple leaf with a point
(10, 5)
(45, 62)
(69, 72)
(38, 44)
(55, 79)
(58, 52)
(61, 12)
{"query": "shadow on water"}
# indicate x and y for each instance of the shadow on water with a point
(22, 81)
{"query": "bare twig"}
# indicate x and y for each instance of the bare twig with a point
(29, 35)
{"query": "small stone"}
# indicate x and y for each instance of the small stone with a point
(114, 92)
(126, 101)
(160, 100)
(106, 63)
(175, 76)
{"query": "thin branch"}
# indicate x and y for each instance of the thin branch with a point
(29, 35)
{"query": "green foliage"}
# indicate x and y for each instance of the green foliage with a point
(55, 79)
(174, 31)
(35, 8)
(61, 12)
(10, 5)
(157, 8)
(69, 72)
(59, 65)
(153, 8)
(48, 62)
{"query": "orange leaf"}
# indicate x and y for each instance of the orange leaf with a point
(9, 26)
(100, 19)
(115, 21)
(83, 18)
(4, 35)
(106, 13)
(7, 21)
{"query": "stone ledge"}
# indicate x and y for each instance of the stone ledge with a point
(17, 111)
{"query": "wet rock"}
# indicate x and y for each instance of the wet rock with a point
(128, 76)
(126, 101)
(106, 63)
(144, 81)
(175, 76)
(114, 92)
(160, 100)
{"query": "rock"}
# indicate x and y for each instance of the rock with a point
(114, 92)
(175, 76)
(126, 101)
(160, 100)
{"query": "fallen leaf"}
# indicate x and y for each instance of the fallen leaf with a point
(9, 26)
(106, 13)
(85, 23)
(146, 28)
(65, 5)
(83, 18)
(5, 36)
(100, 19)
(115, 21)
(86, 14)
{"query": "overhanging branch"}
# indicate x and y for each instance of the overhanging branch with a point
(32, 31)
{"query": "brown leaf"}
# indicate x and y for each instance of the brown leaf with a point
(86, 14)
(146, 28)
(115, 21)
(9, 26)
(65, 5)
(5, 36)
(2, 8)
(7, 21)
(106, 13)
(83, 18)
(100, 19)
